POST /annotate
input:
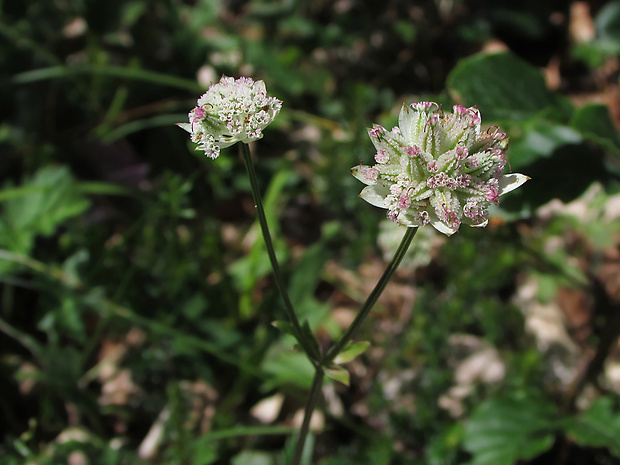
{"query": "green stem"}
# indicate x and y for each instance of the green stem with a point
(317, 383)
(372, 298)
(313, 398)
(262, 220)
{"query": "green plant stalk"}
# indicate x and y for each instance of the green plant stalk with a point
(313, 398)
(333, 352)
(336, 348)
(262, 220)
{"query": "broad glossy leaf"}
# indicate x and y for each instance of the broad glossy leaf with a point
(539, 139)
(501, 85)
(503, 431)
(607, 21)
(595, 123)
(598, 426)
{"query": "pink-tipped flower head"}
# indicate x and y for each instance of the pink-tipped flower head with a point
(231, 111)
(437, 168)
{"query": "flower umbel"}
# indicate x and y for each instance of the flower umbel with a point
(437, 168)
(231, 111)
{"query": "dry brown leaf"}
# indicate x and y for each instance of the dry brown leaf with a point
(268, 409)
(581, 25)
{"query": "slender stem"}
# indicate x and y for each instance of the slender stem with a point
(372, 298)
(262, 220)
(607, 311)
(313, 398)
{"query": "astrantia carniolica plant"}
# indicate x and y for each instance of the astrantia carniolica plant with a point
(437, 168)
(231, 111)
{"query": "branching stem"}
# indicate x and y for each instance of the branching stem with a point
(333, 352)
(262, 220)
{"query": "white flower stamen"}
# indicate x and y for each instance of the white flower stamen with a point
(231, 111)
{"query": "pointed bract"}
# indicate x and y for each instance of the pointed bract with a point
(375, 195)
(510, 182)
(365, 174)
(437, 168)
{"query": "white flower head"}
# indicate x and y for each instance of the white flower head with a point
(437, 168)
(231, 111)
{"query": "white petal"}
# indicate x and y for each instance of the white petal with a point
(407, 219)
(408, 223)
(440, 225)
(357, 172)
(186, 126)
(375, 195)
(259, 86)
(510, 182)
(480, 225)
(226, 142)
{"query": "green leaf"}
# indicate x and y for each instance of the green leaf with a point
(302, 285)
(69, 317)
(595, 123)
(444, 448)
(204, 452)
(501, 85)
(306, 339)
(248, 270)
(607, 41)
(351, 351)
(598, 426)
(106, 188)
(338, 374)
(140, 125)
(285, 367)
(540, 138)
(286, 327)
(254, 431)
(64, 72)
(37, 207)
(194, 307)
(53, 199)
(309, 342)
(505, 430)
(304, 281)
(607, 21)
(16, 192)
(252, 458)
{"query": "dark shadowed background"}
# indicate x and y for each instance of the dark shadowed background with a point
(135, 293)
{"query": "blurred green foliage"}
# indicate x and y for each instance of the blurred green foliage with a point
(136, 304)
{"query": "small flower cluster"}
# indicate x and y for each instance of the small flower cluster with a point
(437, 168)
(231, 111)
